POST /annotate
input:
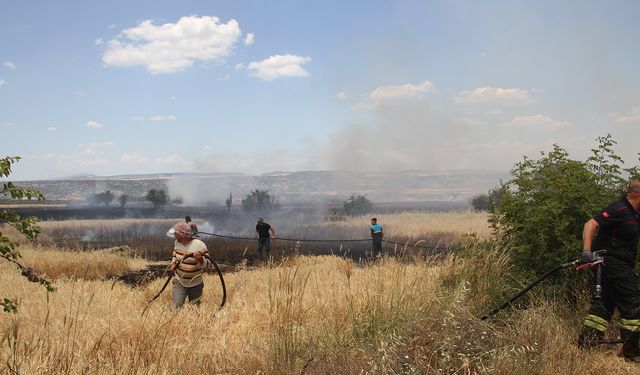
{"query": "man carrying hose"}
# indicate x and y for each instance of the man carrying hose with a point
(616, 230)
(188, 279)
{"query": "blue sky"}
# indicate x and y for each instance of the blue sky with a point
(258, 86)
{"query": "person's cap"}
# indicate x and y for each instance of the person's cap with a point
(260, 219)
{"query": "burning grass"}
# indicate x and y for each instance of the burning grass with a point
(315, 315)
(147, 236)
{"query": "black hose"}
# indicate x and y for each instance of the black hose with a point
(320, 241)
(224, 287)
(172, 273)
(528, 287)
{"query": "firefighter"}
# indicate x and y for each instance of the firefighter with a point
(616, 230)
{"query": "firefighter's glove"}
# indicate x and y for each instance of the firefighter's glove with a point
(586, 256)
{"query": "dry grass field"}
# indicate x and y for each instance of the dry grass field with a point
(297, 315)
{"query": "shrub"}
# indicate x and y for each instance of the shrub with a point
(357, 204)
(547, 201)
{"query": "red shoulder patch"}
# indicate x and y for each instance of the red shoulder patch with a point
(605, 214)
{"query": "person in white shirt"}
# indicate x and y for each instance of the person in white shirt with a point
(188, 278)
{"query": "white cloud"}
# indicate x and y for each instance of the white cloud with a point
(631, 116)
(52, 129)
(279, 66)
(2, 82)
(173, 46)
(98, 42)
(93, 125)
(134, 158)
(8, 124)
(9, 65)
(406, 91)
(341, 95)
(248, 40)
(495, 96)
(173, 97)
(155, 118)
(537, 121)
(238, 66)
(226, 77)
(112, 26)
(162, 118)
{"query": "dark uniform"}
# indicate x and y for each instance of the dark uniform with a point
(264, 238)
(619, 225)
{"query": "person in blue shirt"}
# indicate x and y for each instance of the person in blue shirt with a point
(376, 235)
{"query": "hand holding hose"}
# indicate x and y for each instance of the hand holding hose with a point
(586, 256)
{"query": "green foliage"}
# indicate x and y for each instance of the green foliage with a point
(9, 305)
(259, 201)
(25, 225)
(546, 202)
(483, 202)
(157, 197)
(357, 204)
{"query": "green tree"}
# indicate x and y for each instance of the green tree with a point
(25, 225)
(157, 197)
(483, 202)
(260, 201)
(106, 197)
(357, 204)
(546, 202)
(124, 198)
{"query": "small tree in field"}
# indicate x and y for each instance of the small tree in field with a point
(482, 202)
(157, 197)
(259, 200)
(228, 203)
(27, 226)
(106, 197)
(124, 198)
(357, 204)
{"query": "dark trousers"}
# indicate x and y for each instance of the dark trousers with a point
(619, 291)
(264, 243)
(377, 243)
(180, 293)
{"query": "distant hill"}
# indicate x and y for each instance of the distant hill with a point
(290, 187)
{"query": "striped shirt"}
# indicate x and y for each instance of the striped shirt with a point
(190, 272)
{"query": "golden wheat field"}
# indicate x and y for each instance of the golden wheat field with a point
(298, 315)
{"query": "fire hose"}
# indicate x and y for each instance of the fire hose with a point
(172, 273)
(597, 262)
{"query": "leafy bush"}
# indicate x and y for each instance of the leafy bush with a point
(547, 201)
(357, 204)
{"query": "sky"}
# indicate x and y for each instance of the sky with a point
(120, 87)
